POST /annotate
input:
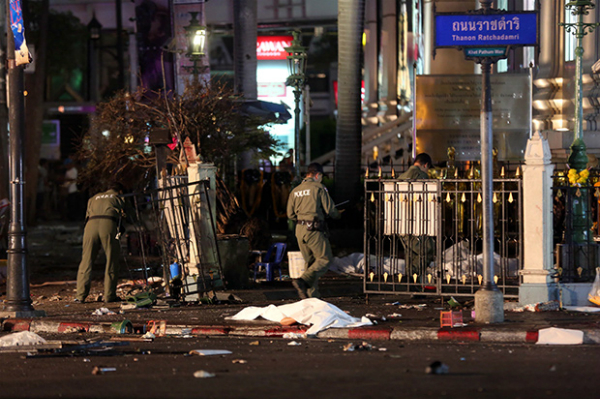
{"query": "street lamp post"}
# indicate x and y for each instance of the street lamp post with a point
(94, 30)
(196, 41)
(578, 158)
(297, 67)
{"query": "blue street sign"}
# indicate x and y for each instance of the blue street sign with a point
(464, 30)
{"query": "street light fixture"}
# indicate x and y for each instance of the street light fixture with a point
(196, 42)
(297, 68)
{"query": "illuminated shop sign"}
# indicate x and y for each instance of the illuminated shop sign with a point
(461, 30)
(272, 47)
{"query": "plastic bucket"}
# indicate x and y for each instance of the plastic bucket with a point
(175, 270)
(296, 264)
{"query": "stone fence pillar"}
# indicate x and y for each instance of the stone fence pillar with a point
(538, 260)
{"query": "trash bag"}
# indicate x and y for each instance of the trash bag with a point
(594, 295)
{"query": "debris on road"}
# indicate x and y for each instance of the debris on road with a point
(291, 335)
(239, 361)
(209, 352)
(102, 370)
(294, 343)
(203, 374)
(102, 312)
(255, 343)
(437, 368)
(364, 346)
(549, 306)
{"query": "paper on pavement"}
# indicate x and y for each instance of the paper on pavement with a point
(319, 314)
(559, 336)
(588, 309)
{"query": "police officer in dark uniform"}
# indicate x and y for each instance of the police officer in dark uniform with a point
(308, 205)
(102, 219)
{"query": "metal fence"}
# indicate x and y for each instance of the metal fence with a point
(576, 228)
(178, 219)
(426, 236)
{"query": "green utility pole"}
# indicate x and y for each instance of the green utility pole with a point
(578, 158)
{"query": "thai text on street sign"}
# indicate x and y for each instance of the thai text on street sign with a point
(504, 29)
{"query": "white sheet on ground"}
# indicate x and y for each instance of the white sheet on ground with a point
(559, 336)
(458, 262)
(312, 311)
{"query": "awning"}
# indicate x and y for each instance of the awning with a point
(271, 112)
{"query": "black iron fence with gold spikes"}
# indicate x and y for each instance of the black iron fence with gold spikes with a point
(426, 236)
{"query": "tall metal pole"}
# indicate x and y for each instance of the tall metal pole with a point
(297, 94)
(489, 301)
(18, 302)
(486, 176)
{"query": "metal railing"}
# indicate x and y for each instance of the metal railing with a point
(426, 236)
(576, 228)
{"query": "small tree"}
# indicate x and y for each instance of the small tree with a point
(213, 118)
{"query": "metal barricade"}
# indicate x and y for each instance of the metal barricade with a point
(426, 236)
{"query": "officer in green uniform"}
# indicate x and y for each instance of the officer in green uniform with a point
(101, 228)
(308, 204)
(418, 250)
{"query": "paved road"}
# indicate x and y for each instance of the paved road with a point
(317, 368)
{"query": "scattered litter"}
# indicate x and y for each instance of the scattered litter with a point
(209, 352)
(154, 280)
(20, 339)
(157, 327)
(451, 319)
(291, 335)
(239, 361)
(437, 367)
(392, 303)
(549, 306)
(553, 368)
(453, 302)
(103, 370)
(86, 360)
(102, 312)
(55, 298)
(382, 349)
(587, 309)
(418, 307)
(294, 343)
(394, 316)
(148, 335)
(128, 306)
(255, 343)
(559, 336)
(364, 346)
(312, 311)
(203, 374)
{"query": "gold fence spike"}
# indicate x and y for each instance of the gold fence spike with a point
(372, 197)
(479, 278)
(371, 275)
(448, 278)
(385, 276)
(495, 198)
(495, 279)
(463, 198)
(579, 271)
(399, 277)
(415, 277)
(510, 198)
(479, 199)
(464, 279)
(448, 199)
(429, 278)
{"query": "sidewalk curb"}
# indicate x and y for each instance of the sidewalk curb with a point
(466, 334)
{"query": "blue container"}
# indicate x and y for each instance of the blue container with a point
(175, 270)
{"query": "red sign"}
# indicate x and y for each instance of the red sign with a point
(272, 47)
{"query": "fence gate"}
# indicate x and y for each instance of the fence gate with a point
(426, 236)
